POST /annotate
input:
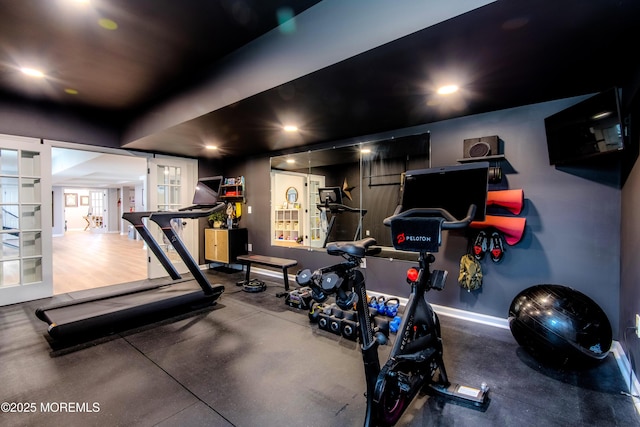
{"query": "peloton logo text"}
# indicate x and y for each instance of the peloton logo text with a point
(401, 238)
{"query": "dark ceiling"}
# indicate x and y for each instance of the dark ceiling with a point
(507, 54)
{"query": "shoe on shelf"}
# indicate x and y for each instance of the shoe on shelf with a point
(480, 245)
(497, 249)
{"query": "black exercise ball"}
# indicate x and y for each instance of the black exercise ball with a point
(560, 325)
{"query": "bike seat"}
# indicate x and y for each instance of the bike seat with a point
(356, 248)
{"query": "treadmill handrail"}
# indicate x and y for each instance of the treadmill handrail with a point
(340, 208)
(136, 219)
(163, 219)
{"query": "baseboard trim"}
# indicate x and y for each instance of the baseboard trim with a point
(630, 380)
(483, 319)
(441, 310)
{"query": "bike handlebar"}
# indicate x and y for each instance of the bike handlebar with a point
(450, 222)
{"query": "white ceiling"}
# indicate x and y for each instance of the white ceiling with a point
(87, 169)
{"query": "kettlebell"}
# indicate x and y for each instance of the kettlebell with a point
(391, 307)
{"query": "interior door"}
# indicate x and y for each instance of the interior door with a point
(25, 216)
(316, 230)
(171, 185)
(98, 204)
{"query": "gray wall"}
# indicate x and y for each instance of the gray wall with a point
(630, 267)
(573, 220)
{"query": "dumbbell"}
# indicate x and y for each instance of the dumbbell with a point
(349, 327)
(395, 324)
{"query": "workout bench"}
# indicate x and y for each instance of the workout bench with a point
(269, 261)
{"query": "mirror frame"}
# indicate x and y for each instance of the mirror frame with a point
(377, 171)
(291, 191)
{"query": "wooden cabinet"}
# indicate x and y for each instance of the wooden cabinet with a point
(223, 245)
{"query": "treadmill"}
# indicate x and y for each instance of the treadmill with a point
(332, 199)
(116, 311)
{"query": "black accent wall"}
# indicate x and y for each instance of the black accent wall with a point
(573, 216)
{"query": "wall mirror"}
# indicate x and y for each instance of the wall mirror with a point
(292, 195)
(369, 176)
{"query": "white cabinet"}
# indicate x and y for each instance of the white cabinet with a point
(287, 226)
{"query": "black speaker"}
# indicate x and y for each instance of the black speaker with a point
(481, 147)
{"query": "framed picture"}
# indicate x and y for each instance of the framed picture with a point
(70, 200)
(84, 200)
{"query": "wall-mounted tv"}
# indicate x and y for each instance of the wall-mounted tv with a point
(588, 129)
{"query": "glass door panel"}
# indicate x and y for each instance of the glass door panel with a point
(171, 184)
(25, 219)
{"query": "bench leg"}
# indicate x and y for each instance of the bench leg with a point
(247, 277)
(285, 275)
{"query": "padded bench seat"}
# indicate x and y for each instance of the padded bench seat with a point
(269, 261)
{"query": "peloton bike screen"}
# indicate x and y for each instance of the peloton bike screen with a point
(453, 188)
(207, 191)
(330, 195)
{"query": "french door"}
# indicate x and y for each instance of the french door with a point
(25, 219)
(97, 201)
(171, 185)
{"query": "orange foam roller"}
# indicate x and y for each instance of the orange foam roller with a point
(512, 200)
(511, 228)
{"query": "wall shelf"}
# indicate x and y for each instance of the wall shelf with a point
(232, 190)
(287, 226)
(497, 157)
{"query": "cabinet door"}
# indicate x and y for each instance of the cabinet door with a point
(209, 244)
(216, 245)
(222, 246)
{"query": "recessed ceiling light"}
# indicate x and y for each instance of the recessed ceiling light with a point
(447, 90)
(601, 115)
(108, 24)
(365, 150)
(211, 147)
(290, 161)
(32, 72)
(291, 128)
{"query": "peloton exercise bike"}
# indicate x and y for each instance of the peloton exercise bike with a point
(416, 361)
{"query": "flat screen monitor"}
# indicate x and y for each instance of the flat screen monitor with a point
(330, 195)
(207, 191)
(453, 188)
(588, 129)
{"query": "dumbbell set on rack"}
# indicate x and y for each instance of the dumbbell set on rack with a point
(331, 318)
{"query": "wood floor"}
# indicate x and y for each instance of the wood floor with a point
(86, 260)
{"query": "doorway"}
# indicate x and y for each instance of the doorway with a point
(91, 246)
